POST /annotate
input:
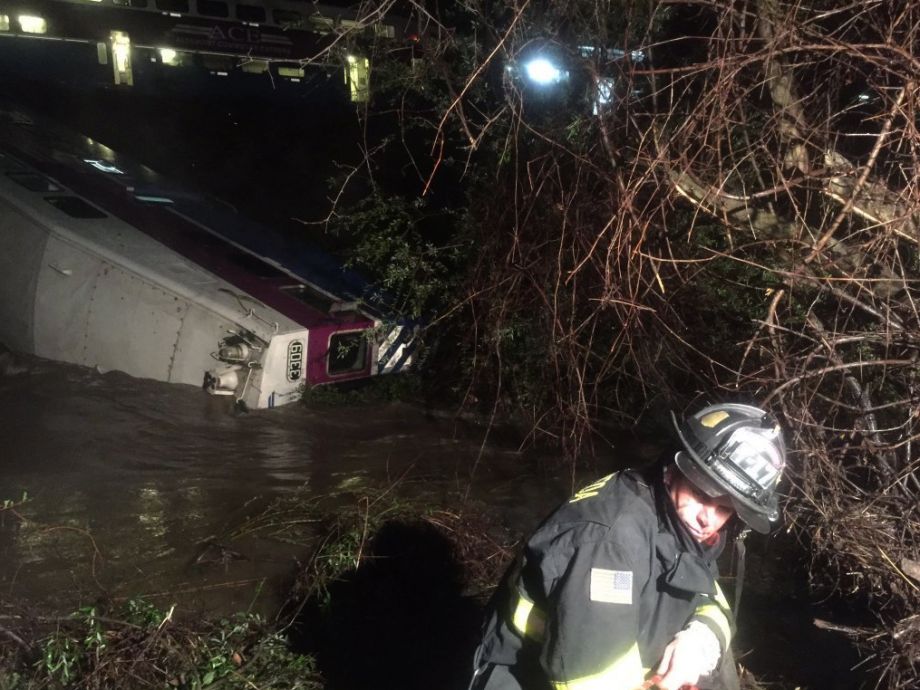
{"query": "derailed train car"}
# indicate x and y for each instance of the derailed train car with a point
(103, 263)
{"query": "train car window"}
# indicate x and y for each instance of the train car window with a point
(288, 17)
(4, 22)
(172, 5)
(250, 13)
(33, 182)
(254, 66)
(75, 207)
(309, 297)
(217, 63)
(32, 24)
(213, 8)
(347, 353)
(321, 24)
(291, 71)
(140, 4)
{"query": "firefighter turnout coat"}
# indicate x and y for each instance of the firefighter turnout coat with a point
(600, 590)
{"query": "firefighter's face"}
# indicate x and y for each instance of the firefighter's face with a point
(703, 515)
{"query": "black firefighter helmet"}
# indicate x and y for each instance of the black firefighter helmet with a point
(737, 451)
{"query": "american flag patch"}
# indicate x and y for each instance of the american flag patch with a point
(611, 586)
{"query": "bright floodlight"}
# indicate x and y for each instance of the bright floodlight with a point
(542, 71)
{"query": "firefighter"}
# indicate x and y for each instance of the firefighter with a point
(617, 589)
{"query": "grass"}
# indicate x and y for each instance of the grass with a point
(141, 646)
(371, 557)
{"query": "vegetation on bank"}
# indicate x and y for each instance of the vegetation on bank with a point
(365, 608)
(706, 200)
(739, 218)
(138, 645)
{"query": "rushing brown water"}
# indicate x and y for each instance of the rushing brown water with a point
(137, 487)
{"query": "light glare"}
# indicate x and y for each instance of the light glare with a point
(542, 71)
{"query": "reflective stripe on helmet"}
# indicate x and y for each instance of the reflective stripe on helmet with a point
(737, 450)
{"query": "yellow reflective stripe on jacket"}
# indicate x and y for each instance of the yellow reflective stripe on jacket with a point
(720, 598)
(715, 613)
(527, 619)
(624, 673)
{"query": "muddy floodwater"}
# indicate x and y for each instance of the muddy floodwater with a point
(140, 488)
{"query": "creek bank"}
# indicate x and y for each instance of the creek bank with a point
(389, 594)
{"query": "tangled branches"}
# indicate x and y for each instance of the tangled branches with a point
(719, 198)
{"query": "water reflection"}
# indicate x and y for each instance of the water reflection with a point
(138, 487)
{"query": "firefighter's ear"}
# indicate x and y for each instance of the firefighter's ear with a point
(669, 472)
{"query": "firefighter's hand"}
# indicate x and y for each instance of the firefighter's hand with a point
(694, 652)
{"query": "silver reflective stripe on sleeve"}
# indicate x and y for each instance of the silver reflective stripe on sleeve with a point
(625, 673)
(715, 614)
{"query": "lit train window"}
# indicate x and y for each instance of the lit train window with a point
(4, 22)
(250, 13)
(254, 66)
(213, 8)
(291, 71)
(172, 5)
(32, 24)
(347, 353)
(33, 182)
(75, 207)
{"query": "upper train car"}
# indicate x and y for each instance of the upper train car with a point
(104, 263)
(119, 38)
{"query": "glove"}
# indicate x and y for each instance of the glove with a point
(694, 652)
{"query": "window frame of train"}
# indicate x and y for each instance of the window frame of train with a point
(251, 14)
(180, 6)
(75, 207)
(33, 181)
(213, 8)
(358, 343)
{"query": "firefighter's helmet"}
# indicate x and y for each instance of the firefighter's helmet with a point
(737, 451)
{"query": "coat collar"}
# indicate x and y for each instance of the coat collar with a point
(688, 564)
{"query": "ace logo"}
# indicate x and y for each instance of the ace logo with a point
(240, 34)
